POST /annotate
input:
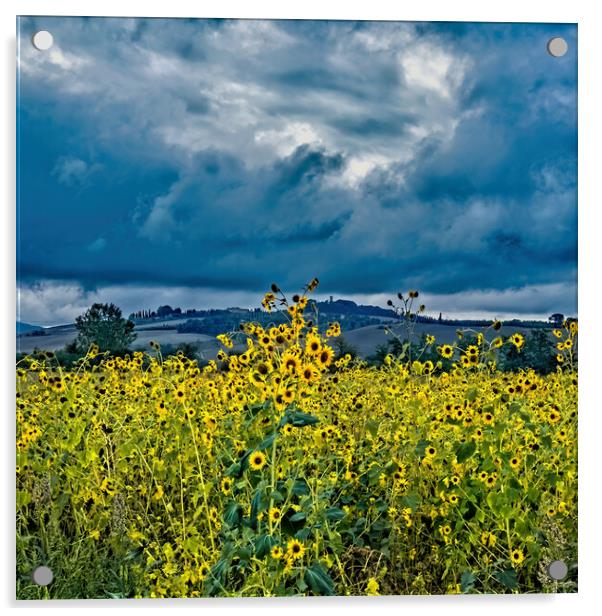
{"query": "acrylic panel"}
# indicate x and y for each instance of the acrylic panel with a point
(297, 308)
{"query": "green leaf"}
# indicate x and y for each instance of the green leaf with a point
(514, 407)
(59, 505)
(411, 500)
(303, 534)
(115, 595)
(257, 505)
(334, 514)
(234, 470)
(467, 580)
(267, 442)
(258, 406)
(243, 554)
(372, 428)
(277, 496)
(23, 498)
(380, 525)
(471, 394)
(465, 450)
(299, 419)
(507, 578)
(301, 585)
(133, 554)
(515, 484)
(263, 545)
(373, 475)
(233, 514)
(297, 517)
(468, 510)
(319, 581)
(300, 488)
(214, 581)
(420, 447)
(546, 441)
(493, 500)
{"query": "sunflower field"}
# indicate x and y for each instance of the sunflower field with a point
(283, 469)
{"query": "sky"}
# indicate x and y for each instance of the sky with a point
(195, 162)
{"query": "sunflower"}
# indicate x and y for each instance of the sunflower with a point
(517, 556)
(295, 549)
(257, 460)
(225, 340)
(276, 552)
(275, 515)
(313, 284)
(226, 485)
(518, 340)
(108, 486)
(472, 351)
(325, 357)
(203, 570)
(313, 346)
(290, 363)
(430, 451)
(372, 587)
(488, 539)
(309, 373)
(446, 350)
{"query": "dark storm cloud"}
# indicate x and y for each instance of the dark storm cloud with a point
(228, 154)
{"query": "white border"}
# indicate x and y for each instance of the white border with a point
(586, 14)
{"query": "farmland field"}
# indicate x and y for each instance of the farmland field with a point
(285, 470)
(364, 339)
(58, 337)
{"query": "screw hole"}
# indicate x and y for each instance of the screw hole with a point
(557, 47)
(558, 570)
(42, 576)
(42, 40)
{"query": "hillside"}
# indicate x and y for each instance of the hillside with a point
(26, 328)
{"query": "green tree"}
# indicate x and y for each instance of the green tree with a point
(103, 325)
(538, 353)
(342, 347)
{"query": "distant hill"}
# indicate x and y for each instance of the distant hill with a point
(27, 328)
(346, 306)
